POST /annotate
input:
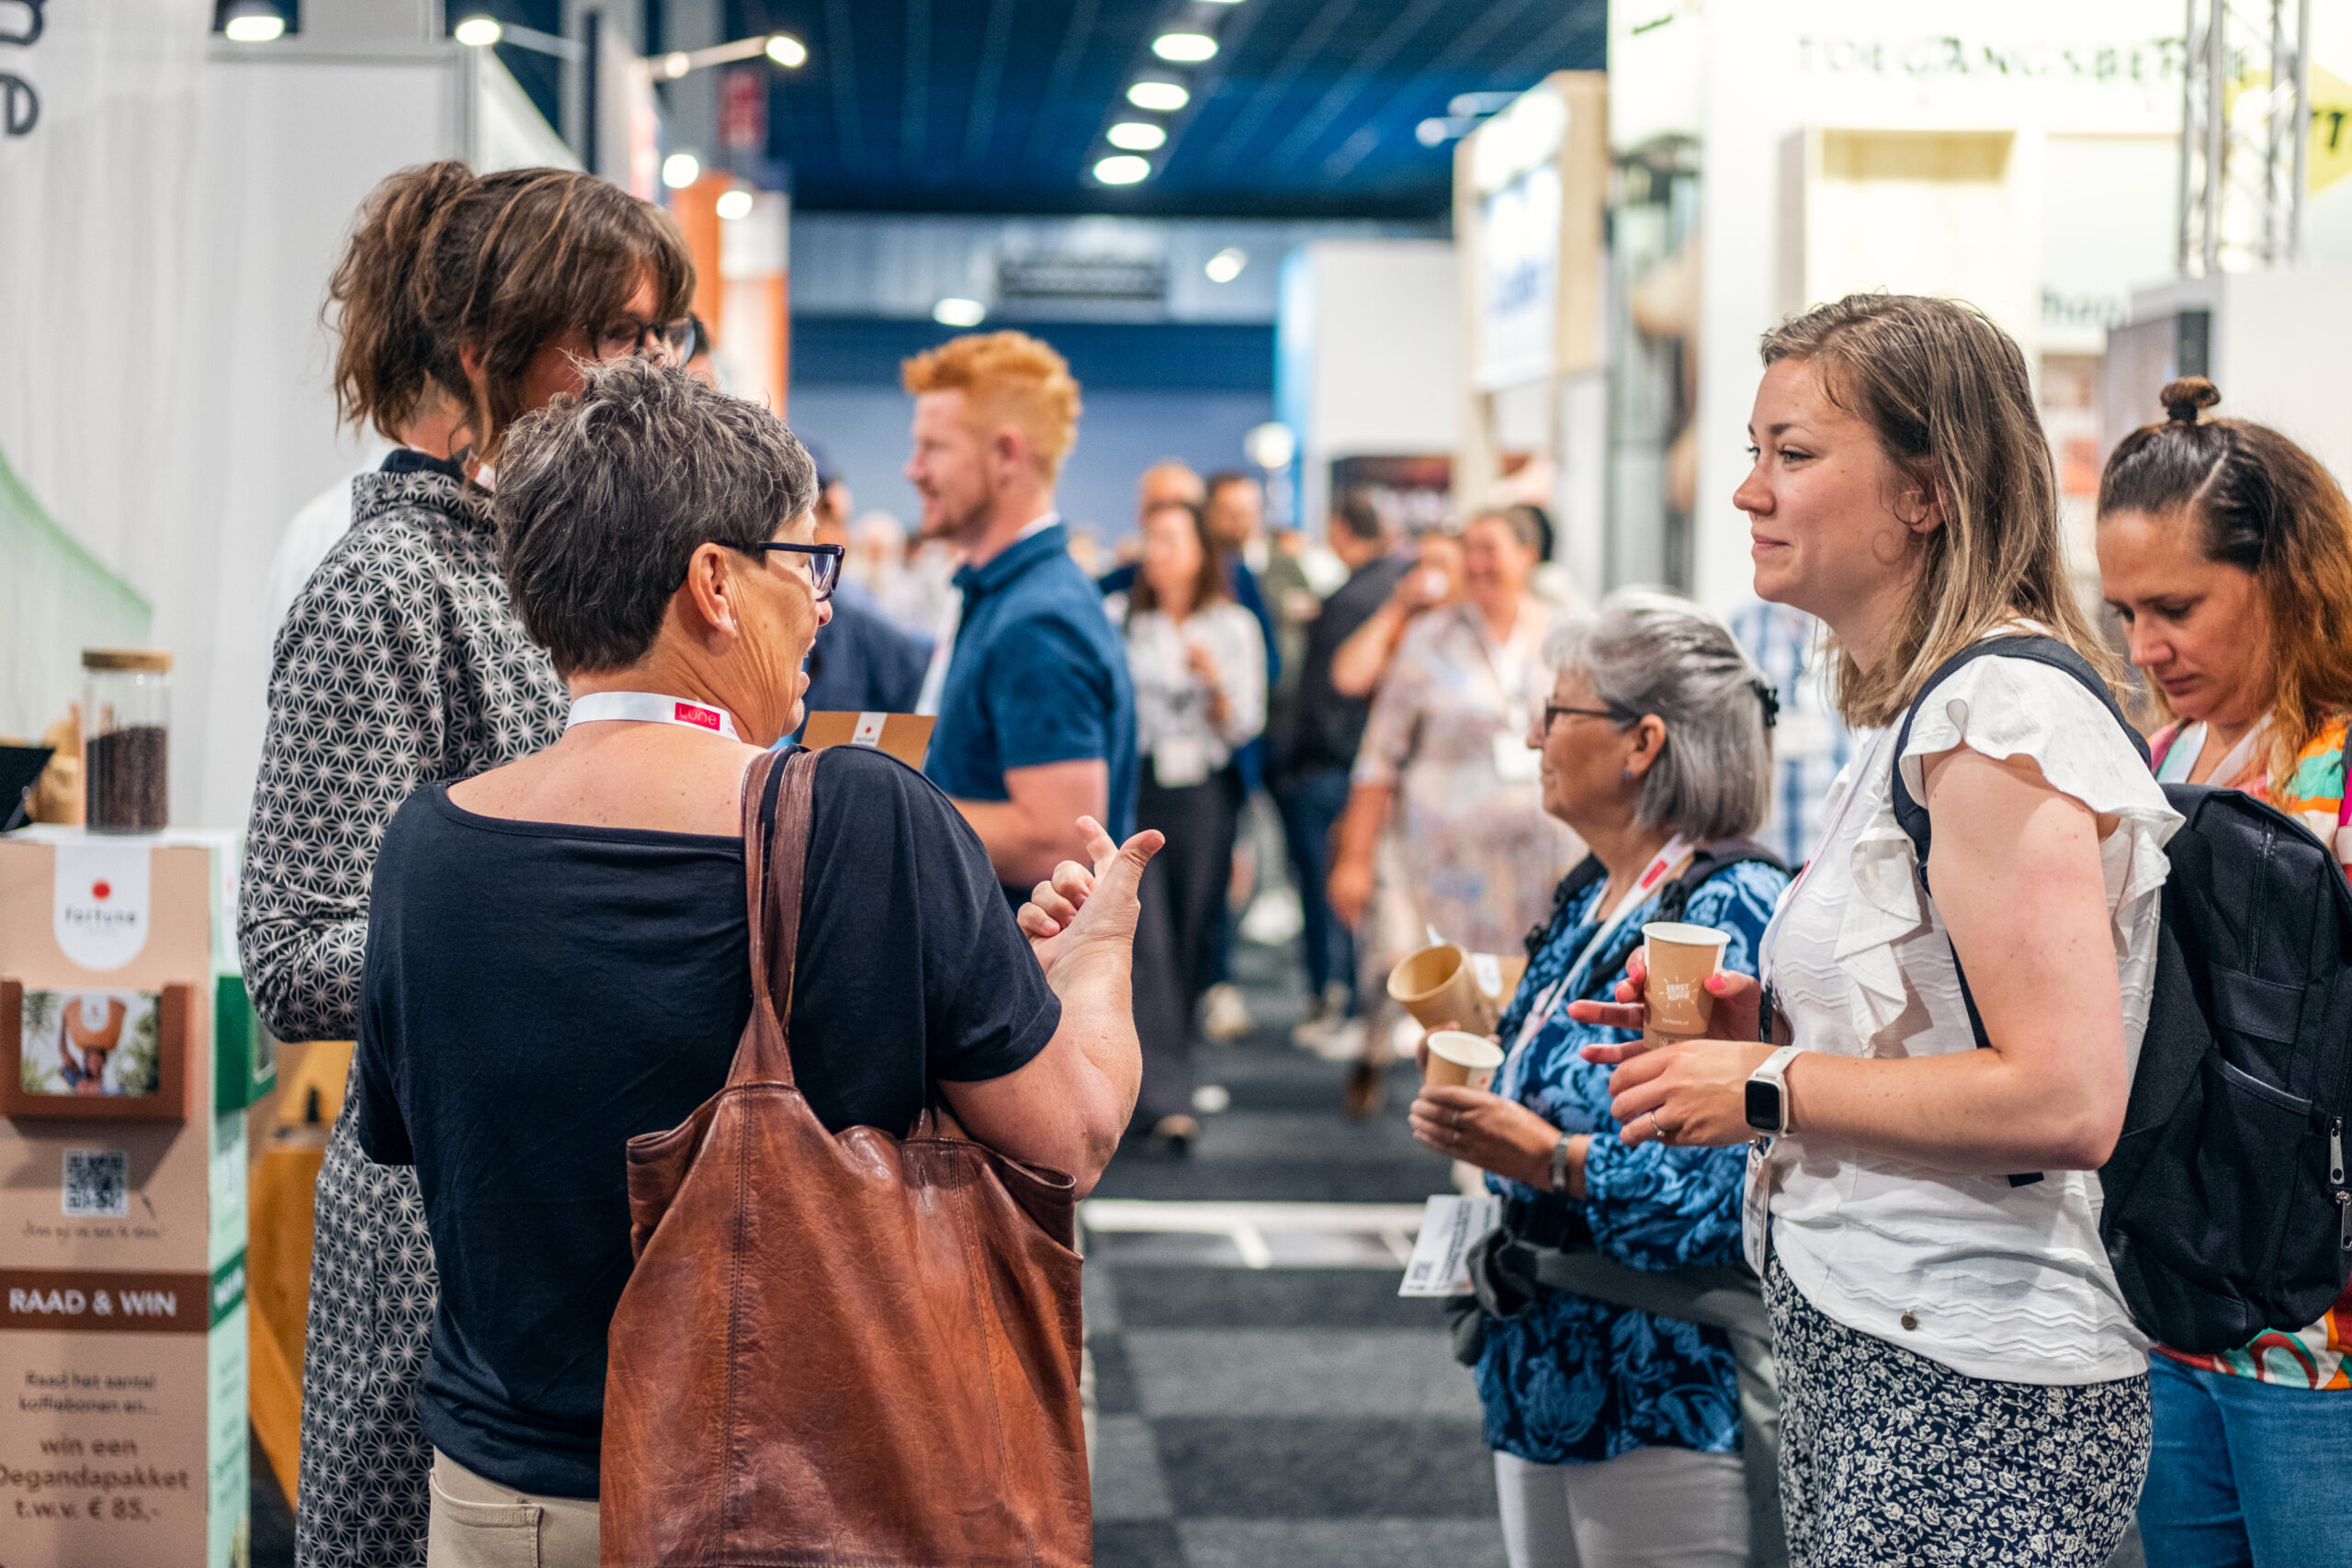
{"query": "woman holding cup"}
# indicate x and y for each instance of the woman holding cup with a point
(1960, 1381)
(1617, 1432)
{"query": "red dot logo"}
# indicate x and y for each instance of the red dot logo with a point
(101, 891)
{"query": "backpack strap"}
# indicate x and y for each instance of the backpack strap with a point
(1912, 817)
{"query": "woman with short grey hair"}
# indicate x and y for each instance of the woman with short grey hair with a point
(559, 950)
(1617, 1432)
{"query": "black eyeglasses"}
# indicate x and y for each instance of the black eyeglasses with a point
(628, 335)
(1554, 710)
(824, 563)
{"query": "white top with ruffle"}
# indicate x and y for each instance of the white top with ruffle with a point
(1992, 1280)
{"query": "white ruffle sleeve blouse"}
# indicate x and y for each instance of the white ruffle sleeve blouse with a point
(1990, 1279)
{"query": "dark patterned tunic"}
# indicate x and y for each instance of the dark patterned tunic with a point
(1571, 1380)
(402, 663)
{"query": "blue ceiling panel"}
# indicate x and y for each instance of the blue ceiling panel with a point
(1308, 110)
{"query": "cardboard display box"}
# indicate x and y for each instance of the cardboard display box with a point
(130, 1054)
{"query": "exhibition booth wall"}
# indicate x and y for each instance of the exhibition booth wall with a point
(166, 228)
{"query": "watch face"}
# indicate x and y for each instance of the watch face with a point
(1764, 1105)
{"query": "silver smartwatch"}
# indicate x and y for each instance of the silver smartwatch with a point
(1768, 1094)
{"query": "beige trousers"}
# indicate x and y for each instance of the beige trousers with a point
(479, 1524)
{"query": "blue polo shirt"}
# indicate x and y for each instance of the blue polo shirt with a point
(1037, 675)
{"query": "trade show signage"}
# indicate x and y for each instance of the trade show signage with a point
(127, 1056)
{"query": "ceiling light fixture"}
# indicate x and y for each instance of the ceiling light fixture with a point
(249, 21)
(479, 32)
(954, 312)
(1436, 129)
(1161, 97)
(1227, 265)
(680, 170)
(736, 203)
(1477, 103)
(1122, 169)
(1185, 48)
(787, 52)
(1135, 135)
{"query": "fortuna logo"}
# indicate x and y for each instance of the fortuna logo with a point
(98, 906)
(687, 712)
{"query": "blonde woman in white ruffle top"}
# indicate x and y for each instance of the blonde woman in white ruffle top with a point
(1961, 1381)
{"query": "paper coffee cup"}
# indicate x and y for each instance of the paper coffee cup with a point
(1437, 986)
(1459, 1059)
(1680, 958)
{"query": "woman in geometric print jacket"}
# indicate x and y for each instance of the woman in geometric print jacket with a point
(461, 301)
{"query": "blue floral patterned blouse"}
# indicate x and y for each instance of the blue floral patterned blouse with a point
(1572, 1379)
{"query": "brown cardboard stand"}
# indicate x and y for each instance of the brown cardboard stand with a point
(122, 1219)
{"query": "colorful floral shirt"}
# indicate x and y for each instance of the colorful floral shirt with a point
(2317, 1356)
(1572, 1379)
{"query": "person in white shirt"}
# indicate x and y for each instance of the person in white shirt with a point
(1199, 666)
(1961, 1381)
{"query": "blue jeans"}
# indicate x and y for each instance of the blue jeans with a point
(2246, 1474)
(1310, 805)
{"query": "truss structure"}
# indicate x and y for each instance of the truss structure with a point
(2245, 136)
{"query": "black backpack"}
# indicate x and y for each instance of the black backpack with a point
(2226, 1211)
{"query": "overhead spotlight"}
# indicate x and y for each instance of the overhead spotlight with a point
(1477, 103)
(1185, 48)
(1161, 97)
(1272, 445)
(1122, 169)
(954, 312)
(680, 170)
(1227, 265)
(736, 203)
(247, 21)
(1135, 135)
(676, 65)
(479, 32)
(1438, 129)
(787, 50)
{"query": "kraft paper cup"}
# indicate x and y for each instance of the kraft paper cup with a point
(1435, 986)
(1459, 1059)
(1680, 958)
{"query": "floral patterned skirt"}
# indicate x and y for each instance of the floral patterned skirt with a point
(1889, 1460)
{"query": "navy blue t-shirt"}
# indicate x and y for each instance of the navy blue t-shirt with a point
(1038, 675)
(538, 994)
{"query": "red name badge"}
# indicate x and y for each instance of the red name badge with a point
(687, 712)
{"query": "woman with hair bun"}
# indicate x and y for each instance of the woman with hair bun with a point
(2226, 550)
(459, 303)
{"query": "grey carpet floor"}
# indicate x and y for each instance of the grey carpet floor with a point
(1297, 1418)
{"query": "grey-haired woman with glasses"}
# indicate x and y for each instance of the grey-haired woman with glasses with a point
(1617, 1432)
(567, 934)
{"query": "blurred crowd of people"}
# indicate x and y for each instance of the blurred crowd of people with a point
(1330, 730)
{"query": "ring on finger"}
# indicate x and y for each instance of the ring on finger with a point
(1658, 1129)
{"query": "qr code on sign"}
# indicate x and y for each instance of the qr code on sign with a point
(98, 1184)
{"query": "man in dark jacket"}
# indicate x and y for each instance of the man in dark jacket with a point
(1311, 776)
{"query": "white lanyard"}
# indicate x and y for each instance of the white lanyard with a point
(649, 707)
(2181, 760)
(1677, 848)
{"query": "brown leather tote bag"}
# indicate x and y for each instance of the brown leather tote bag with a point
(837, 1350)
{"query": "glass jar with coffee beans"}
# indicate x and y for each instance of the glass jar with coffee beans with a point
(126, 728)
